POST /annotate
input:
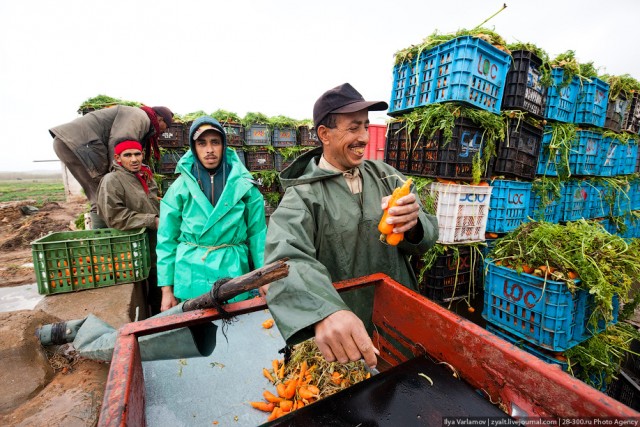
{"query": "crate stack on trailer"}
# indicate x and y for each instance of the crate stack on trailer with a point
(586, 155)
(589, 159)
(527, 111)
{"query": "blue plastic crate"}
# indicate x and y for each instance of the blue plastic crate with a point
(545, 356)
(284, 137)
(546, 166)
(509, 205)
(597, 205)
(622, 203)
(465, 69)
(542, 312)
(608, 157)
(627, 157)
(574, 201)
(405, 87)
(634, 194)
(561, 101)
(584, 155)
(591, 105)
(552, 211)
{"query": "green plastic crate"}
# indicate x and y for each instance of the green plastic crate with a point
(76, 260)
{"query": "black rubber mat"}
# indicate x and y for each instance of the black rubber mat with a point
(398, 397)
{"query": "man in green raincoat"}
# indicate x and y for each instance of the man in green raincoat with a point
(212, 221)
(327, 223)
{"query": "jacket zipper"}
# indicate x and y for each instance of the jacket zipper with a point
(213, 190)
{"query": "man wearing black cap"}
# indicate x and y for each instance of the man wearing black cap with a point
(326, 224)
(86, 144)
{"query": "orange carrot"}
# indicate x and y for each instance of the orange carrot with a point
(267, 375)
(399, 192)
(305, 393)
(274, 414)
(281, 371)
(313, 389)
(267, 324)
(303, 370)
(281, 390)
(270, 397)
(263, 406)
(335, 378)
(394, 239)
(274, 364)
(286, 405)
(290, 391)
(572, 274)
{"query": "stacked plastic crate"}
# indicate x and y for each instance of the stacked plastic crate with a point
(467, 74)
(517, 154)
(173, 144)
(590, 154)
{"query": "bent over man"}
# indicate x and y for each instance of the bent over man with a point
(86, 144)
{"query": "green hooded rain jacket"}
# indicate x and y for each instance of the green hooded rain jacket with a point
(199, 244)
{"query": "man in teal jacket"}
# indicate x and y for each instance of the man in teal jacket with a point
(212, 221)
(327, 223)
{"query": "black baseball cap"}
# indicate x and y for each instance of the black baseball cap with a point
(343, 99)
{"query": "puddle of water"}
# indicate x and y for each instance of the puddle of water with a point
(23, 297)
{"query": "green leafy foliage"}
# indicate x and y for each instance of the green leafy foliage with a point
(597, 360)
(267, 177)
(624, 84)
(441, 117)
(562, 136)
(102, 101)
(253, 118)
(280, 122)
(224, 116)
(435, 39)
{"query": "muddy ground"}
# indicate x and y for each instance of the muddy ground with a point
(18, 230)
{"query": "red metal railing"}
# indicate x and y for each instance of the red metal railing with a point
(406, 324)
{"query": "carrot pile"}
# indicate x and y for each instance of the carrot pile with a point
(87, 270)
(306, 378)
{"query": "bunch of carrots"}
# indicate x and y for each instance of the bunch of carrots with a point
(292, 393)
(306, 378)
(386, 230)
(540, 271)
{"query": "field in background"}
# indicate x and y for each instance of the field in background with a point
(41, 190)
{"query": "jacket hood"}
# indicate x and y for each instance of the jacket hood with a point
(305, 170)
(202, 120)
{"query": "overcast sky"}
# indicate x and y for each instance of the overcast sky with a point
(274, 57)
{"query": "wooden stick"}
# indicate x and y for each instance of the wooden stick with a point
(252, 280)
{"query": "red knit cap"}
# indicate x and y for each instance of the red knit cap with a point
(127, 145)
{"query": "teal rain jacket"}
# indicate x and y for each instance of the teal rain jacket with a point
(199, 244)
(330, 234)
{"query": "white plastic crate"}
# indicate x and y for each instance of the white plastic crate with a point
(462, 211)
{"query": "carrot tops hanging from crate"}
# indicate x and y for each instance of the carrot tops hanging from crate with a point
(445, 140)
(462, 67)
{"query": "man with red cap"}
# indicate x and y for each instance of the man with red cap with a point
(86, 144)
(127, 199)
(326, 224)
